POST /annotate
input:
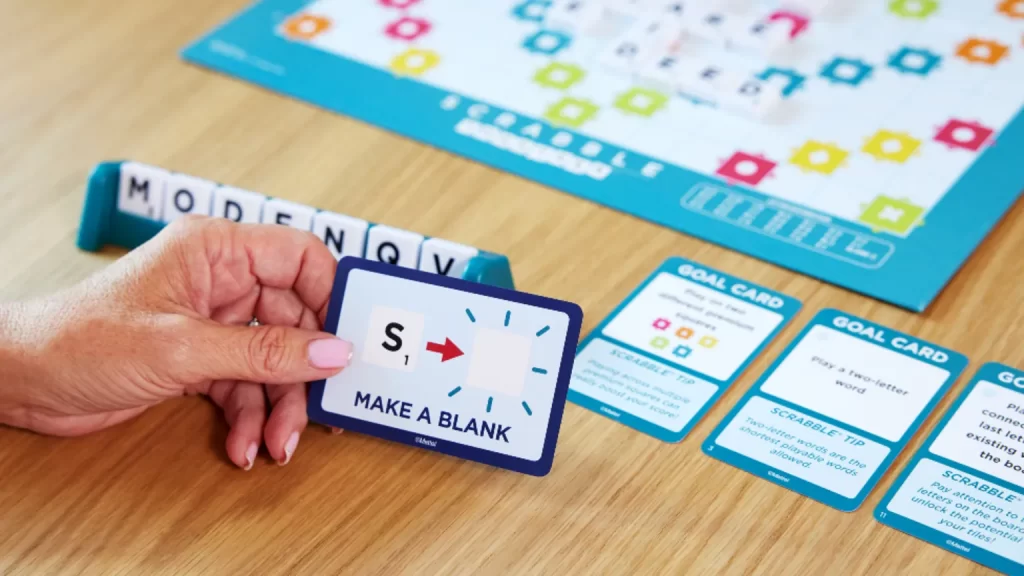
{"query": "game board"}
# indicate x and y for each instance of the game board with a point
(872, 145)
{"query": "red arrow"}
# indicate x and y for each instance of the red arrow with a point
(448, 350)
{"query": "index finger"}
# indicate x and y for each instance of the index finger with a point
(277, 256)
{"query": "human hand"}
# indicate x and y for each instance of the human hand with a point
(172, 318)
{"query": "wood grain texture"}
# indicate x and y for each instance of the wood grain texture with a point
(90, 81)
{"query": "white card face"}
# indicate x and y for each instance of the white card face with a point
(445, 258)
(141, 190)
(394, 246)
(471, 369)
(987, 433)
(187, 195)
(833, 412)
(698, 328)
(285, 213)
(343, 235)
(238, 205)
(855, 382)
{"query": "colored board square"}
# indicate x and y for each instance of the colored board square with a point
(891, 214)
(708, 341)
(659, 342)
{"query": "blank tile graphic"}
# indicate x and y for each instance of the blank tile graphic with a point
(500, 361)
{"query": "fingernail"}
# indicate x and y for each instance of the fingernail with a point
(250, 456)
(289, 448)
(336, 431)
(330, 353)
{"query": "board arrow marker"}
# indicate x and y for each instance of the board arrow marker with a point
(448, 350)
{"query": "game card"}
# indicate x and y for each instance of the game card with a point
(830, 416)
(964, 489)
(449, 365)
(666, 354)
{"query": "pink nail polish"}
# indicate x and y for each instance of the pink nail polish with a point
(289, 448)
(250, 456)
(330, 353)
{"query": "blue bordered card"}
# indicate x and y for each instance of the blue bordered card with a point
(665, 355)
(833, 412)
(461, 368)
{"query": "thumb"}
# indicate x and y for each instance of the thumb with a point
(268, 354)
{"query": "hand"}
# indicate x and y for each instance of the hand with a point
(172, 318)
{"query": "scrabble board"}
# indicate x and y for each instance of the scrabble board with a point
(870, 144)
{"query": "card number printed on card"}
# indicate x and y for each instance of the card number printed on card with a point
(663, 357)
(833, 412)
(964, 490)
(458, 367)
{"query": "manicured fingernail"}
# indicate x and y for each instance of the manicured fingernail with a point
(330, 353)
(289, 448)
(250, 456)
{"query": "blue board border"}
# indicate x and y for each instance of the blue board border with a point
(912, 275)
(540, 467)
(790, 307)
(955, 365)
(988, 372)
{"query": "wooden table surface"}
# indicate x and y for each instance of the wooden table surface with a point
(90, 81)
